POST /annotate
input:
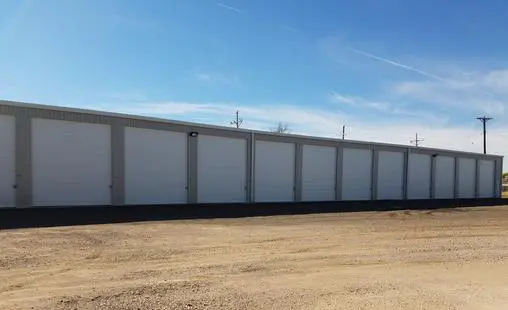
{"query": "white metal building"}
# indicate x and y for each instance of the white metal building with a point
(53, 156)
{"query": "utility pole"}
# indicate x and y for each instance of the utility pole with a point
(343, 132)
(484, 121)
(416, 141)
(238, 121)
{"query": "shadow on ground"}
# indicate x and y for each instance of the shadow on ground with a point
(66, 216)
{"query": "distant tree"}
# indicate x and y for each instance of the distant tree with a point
(238, 121)
(281, 128)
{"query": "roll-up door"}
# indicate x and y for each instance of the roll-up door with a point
(467, 174)
(71, 163)
(318, 173)
(418, 179)
(155, 166)
(356, 174)
(390, 175)
(222, 169)
(486, 179)
(274, 171)
(444, 181)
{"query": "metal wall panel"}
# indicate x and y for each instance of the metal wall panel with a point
(390, 175)
(444, 184)
(155, 166)
(222, 169)
(274, 171)
(356, 174)
(318, 173)
(498, 184)
(419, 174)
(466, 176)
(486, 178)
(7, 161)
(445, 177)
(71, 163)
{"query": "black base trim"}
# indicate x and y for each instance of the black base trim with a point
(65, 216)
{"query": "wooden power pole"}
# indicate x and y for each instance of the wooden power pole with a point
(484, 121)
(416, 141)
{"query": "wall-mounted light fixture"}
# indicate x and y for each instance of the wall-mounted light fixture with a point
(193, 134)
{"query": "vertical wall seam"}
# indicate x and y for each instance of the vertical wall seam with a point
(456, 178)
(338, 172)
(432, 185)
(476, 179)
(298, 182)
(405, 172)
(498, 178)
(248, 167)
(118, 194)
(192, 169)
(374, 175)
(253, 168)
(494, 191)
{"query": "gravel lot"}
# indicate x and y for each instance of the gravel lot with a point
(441, 259)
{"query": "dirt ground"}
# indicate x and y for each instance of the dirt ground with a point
(442, 259)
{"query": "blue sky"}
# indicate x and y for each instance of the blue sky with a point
(386, 69)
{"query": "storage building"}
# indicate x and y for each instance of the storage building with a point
(54, 156)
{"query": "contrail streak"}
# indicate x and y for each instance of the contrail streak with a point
(229, 7)
(397, 64)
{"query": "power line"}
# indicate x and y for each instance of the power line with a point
(416, 141)
(237, 121)
(484, 120)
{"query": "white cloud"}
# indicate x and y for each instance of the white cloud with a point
(203, 77)
(328, 123)
(127, 96)
(446, 87)
(220, 78)
(360, 102)
(173, 108)
(388, 108)
(478, 92)
(338, 98)
(497, 80)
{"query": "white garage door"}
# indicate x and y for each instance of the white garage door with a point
(155, 166)
(222, 169)
(418, 179)
(390, 175)
(486, 179)
(274, 171)
(71, 163)
(467, 172)
(318, 173)
(7, 161)
(356, 174)
(444, 185)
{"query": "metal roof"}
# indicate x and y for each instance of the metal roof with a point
(199, 125)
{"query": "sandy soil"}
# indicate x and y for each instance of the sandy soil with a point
(444, 259)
